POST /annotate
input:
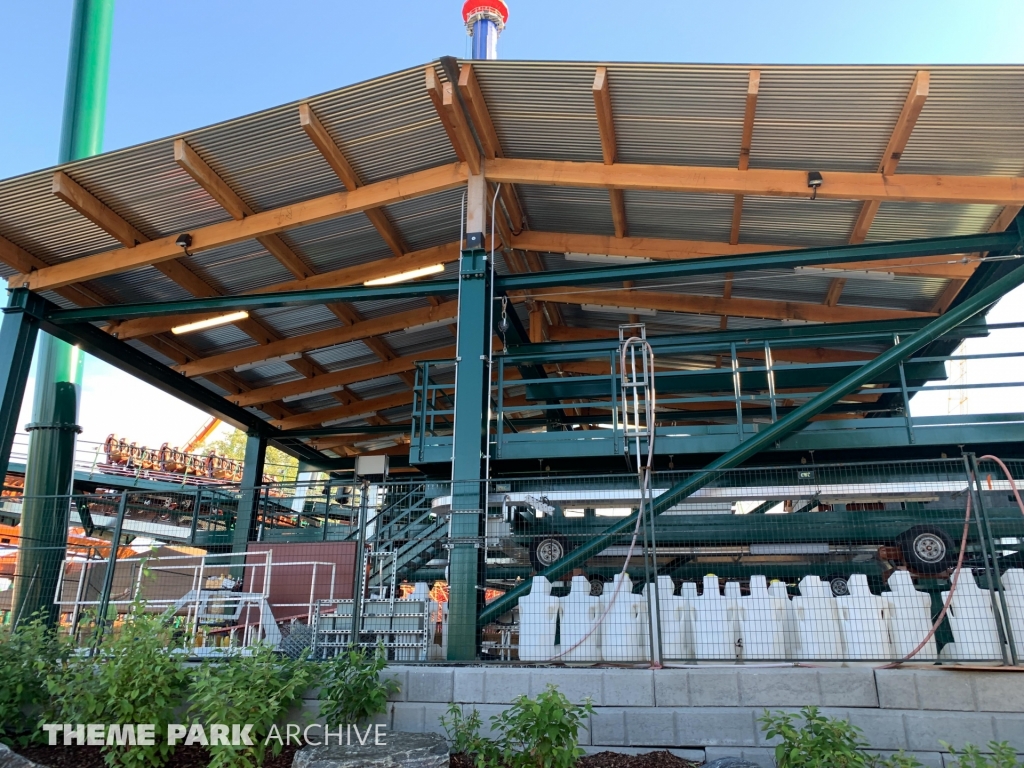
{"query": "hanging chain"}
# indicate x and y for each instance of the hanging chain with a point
(503, 323)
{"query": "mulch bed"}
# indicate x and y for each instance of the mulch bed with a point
(92, 757)
(663, 759)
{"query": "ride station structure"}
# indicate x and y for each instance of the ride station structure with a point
(446, 266)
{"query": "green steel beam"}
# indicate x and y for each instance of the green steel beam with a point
(18, 332)
(85, 93)
(807, 257)
(780, 429)
(796, 336)
(256, 301)
(365, 429)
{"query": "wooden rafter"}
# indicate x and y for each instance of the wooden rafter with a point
(267, 222)
(480, 116)
(609, 146)
(98, 212)
(734, 307)
(322, 339)
(460, 124)
(898, 139)
(346, 173)
(229, 200)
(354, 275)
(436, 93)
(753, 86)
(372, 405)
(340, 378)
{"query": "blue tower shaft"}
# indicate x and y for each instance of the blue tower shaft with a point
(485, 39)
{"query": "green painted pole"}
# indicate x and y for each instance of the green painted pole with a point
(51, 450)
(777, 431)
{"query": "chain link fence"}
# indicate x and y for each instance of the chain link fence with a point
(834, 564)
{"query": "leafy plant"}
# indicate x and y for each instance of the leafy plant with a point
(255, 689)
(27, 655)
(811, 740)
(133, 676)
(542, 732)
(1003, 756)
(351, 688)
(464, 734)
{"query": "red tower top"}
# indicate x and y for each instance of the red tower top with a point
(492, 10)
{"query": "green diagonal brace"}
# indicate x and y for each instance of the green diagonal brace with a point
(780, 429)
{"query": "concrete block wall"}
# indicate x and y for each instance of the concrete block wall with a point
(711, 712)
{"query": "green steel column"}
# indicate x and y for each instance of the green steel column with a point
(465, 561)
(249, 501)
(59, 374)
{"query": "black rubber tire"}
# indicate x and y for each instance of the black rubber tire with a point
(839, 585)
(545, 550)
(927, 549)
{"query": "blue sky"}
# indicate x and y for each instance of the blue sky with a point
(181, 64)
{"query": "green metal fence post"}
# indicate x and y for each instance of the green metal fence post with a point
(995, 581)
(782, 428)
(108, 575)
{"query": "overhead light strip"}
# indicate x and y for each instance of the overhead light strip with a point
(210, 322)
(402, 277)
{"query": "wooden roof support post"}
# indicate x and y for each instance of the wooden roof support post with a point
(753, 86)
(609, 146)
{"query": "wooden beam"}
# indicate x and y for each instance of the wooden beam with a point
(268, 222)
(229, 200)
(609, 146)
(898, 139)
(311, 124)
(340, 378)
(68, 190)
(480, 116)
(950, 292)
(746, 138)
(436, 94)
(321, 339)
(835, 288)
(710, 305)
(837, 185)
(664, 249)
(352, 410)
(460, 124)
(441, 254)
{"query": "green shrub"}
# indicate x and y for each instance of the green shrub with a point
(534, 733)
(464, 735)
(1003, 756)
(27, 656)
(542, 732)
(351, 688)
(133, 676)
(258, 689)
(811, 740)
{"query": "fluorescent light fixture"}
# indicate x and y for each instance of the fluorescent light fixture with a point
(314, 393)
(627, 310)
(412, 274)
(431, 324)
(210, 322)
(604, 258)
(268, 361)
(856, 274)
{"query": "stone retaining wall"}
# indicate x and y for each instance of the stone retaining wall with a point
(711, 712)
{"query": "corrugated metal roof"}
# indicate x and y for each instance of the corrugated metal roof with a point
(824, 118)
